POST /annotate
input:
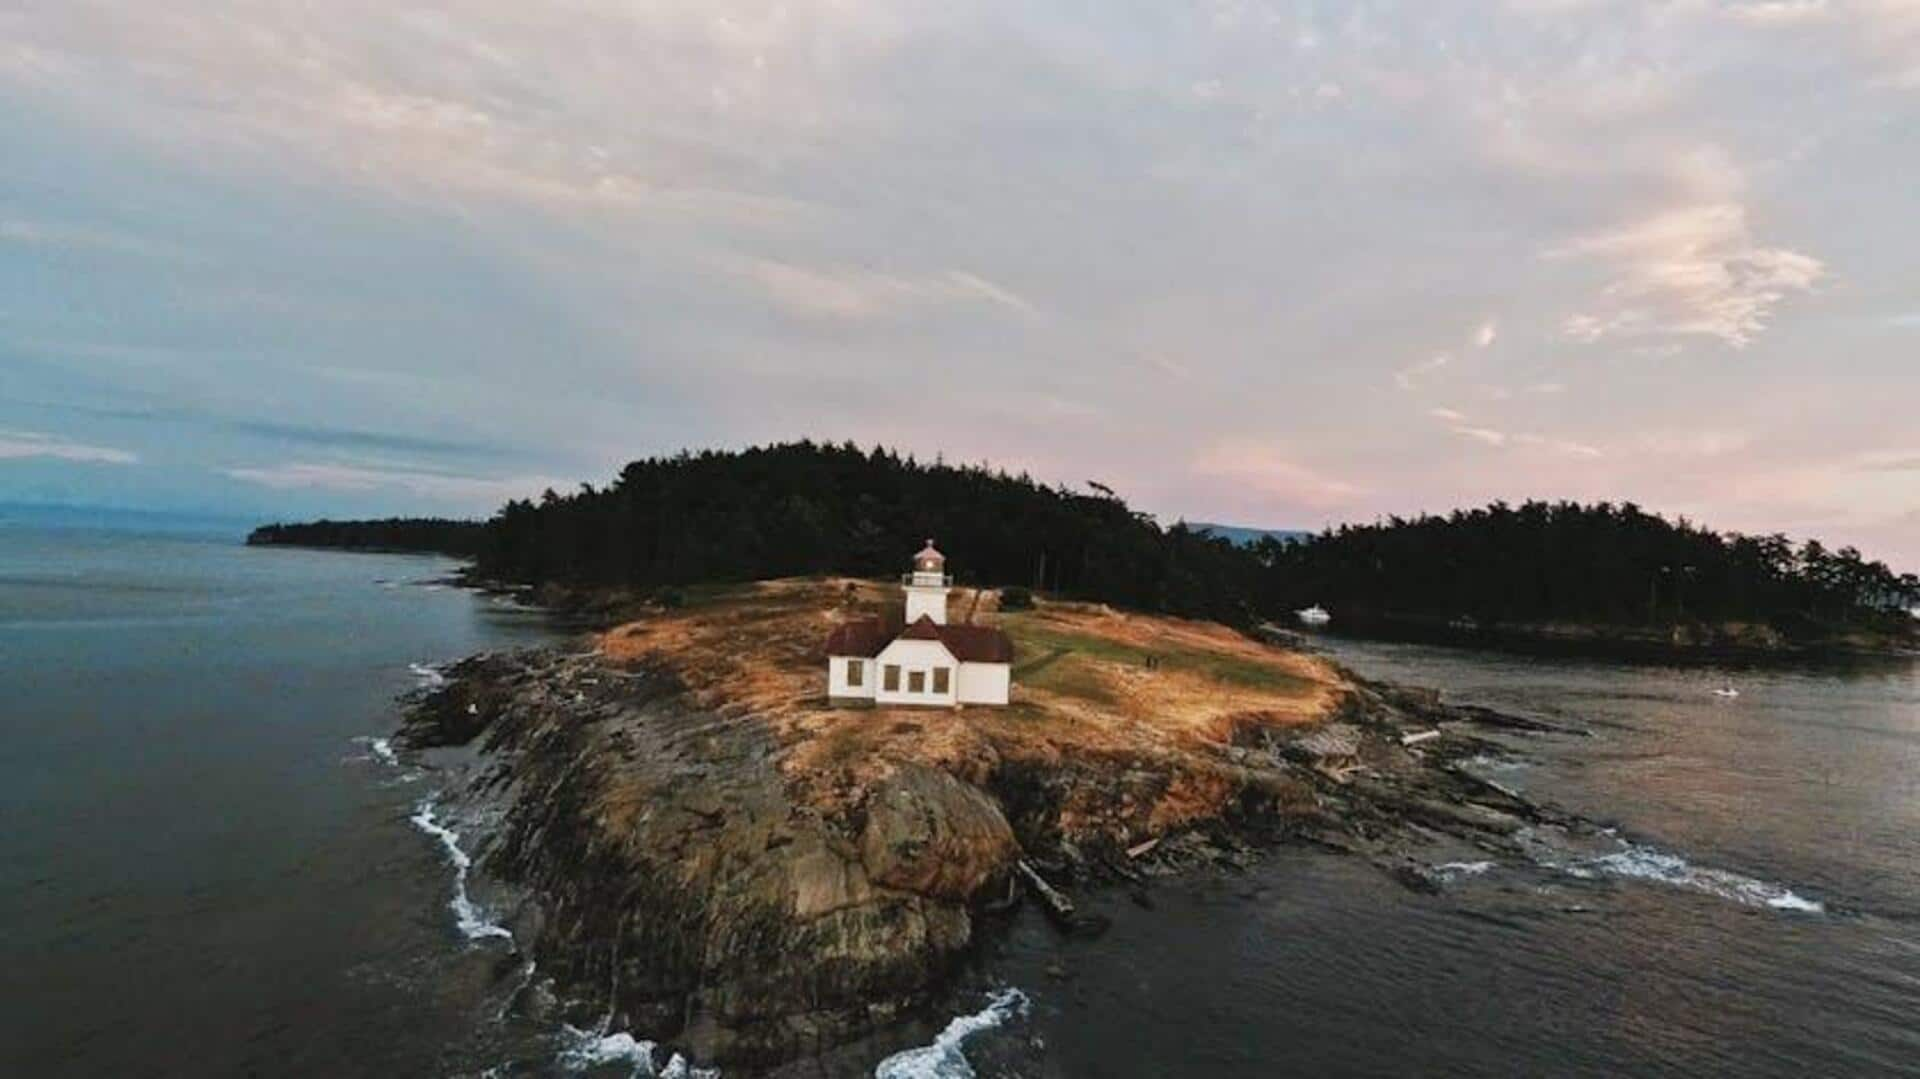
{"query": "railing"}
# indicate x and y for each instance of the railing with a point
(945, 579)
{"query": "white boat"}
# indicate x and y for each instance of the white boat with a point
(1726, 691)
(1315, 615)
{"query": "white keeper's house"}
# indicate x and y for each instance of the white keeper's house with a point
(928, 661)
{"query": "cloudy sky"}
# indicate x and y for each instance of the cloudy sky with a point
(1276, 263)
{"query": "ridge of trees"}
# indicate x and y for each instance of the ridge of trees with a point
(1600, 563)
(804, 507)
(441, 535)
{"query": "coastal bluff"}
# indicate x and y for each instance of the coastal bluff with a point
(715, 856)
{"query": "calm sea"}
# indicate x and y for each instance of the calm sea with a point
(204, 867)
(207, 868)
(1759, 913)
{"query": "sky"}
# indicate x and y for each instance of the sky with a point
(1279, 264)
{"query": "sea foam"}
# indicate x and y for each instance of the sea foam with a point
(383, 751)
(583, 1050)
(943, 1059)
(427, 675)
(1646, 863)
(467, 915)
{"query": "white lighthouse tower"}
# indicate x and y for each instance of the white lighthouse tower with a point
(927, 586)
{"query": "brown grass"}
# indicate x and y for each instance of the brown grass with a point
(1082, 681)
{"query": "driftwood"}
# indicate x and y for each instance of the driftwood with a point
(1138, 849)
(1056, 902)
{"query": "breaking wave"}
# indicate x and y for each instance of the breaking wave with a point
(583, 1050)
(378, 749)
(427, 675)
(1635, 861)
(1487, 762)
(943, 1059)
(1456, 870)
(1646, 863)
(467, 915)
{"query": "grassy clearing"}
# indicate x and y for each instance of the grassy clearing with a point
(1081, 680)
(1043, 649)
(1073, 676)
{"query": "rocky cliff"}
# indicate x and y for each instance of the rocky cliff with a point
(719, 859)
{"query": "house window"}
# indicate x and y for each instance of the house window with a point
(940, 679)
(916, 681)
(856, 671)
(890, 678)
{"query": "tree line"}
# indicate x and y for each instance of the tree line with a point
(1601, 563)
(805, 507)
(443, 535)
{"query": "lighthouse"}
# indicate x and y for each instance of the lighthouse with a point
(925, 662)
(927, 586)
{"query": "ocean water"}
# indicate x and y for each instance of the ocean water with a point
(1758, 912)
(207, 866)
(214, 865)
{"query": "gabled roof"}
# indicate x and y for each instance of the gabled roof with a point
(924, 628)
(860, 637)
(867, 637)
(977, 644)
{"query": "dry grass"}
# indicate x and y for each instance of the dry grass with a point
(1083, 683)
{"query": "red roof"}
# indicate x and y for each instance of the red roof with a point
(969, 644)
(977, 644)
(860, 637)
(923, 629)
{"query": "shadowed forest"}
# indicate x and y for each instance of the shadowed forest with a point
(805, 508)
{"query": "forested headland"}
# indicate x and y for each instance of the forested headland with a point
(806, 508)
(440, 535)
(1600, 564)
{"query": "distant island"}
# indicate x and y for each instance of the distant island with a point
(435, 535)
(1243, 536)
(1603, 575)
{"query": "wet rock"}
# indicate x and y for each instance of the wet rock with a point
(681, 879)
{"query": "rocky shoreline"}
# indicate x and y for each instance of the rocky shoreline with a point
(683, 879)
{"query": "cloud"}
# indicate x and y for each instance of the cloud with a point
(604, 228)
(348, 438)
(1272, 473)
(1779, 12)
(1408, 378)
(359, 479)
(1482, 434)
(1562, 446)
(1899, 460)
(21, 445)
(1559, 446)
(1447, 414)
(1693, 443)
(60, 235)
(1694, 270)
(851, 294)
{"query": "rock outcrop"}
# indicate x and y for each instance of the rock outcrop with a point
(721, 862)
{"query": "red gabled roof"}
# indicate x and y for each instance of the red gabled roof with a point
(860, 637)
(923, 629)
(977, 644)
(969, 644)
